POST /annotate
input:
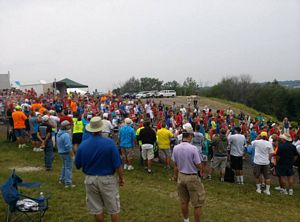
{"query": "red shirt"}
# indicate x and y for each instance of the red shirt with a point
(63, 118)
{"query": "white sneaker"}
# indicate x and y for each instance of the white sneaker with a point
(291, 192)
(283, 191)
(125, 167)
(278, 188)
(39, 150)
(24, 145)
(130, 167)
(267, 192)
(34, 149)
(258, 190)
(20, 146)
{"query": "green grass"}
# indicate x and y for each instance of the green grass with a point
(236, 106)
(147, 198)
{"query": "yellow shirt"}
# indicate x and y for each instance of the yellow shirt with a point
(78, 126)
(213, 125)
(138, 133)
(163, 138)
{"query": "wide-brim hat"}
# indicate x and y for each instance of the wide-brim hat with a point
(96, 125)
(286, 136)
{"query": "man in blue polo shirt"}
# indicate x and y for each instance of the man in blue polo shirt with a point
(99, 159)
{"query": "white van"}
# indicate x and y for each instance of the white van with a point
(166, 93)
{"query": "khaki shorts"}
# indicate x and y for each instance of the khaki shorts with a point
(261, 169)
(190, 188)
(102, 192)
(219, 162)
(147, 152)
(127, 153)
(164, 153)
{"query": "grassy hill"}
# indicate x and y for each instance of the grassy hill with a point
(216, 103)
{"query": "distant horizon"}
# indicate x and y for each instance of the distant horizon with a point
(30, 82)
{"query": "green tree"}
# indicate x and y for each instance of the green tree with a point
(149, 84)
(131, 85)
(190, 86)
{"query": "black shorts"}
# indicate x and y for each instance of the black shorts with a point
(34, 137)
(284, 170)
(236, 162)
(77, 138)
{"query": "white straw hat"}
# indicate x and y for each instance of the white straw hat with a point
(96, 125)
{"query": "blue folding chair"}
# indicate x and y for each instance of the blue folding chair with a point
(22, 207)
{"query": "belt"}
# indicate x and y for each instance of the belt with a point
(189, 174)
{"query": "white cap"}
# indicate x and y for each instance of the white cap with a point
(188, 128)
(128, 121)
(65, 123)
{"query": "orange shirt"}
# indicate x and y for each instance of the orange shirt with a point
(35, 105)
(19, 119)
(73, 106)
(42, 109)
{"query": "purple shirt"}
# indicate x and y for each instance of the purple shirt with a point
(186, 156)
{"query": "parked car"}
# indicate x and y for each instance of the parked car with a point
(133, 95)
(151, 94)
(126, 96)
(141, 95)
(166, 93)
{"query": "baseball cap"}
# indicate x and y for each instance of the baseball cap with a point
(264, 134)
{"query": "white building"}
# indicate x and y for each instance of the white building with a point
(5, 81)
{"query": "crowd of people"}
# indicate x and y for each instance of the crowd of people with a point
(195, 141)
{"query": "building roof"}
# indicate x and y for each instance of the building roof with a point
(71, 84)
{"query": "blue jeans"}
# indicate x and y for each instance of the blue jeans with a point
(66, 170)
(48, 150)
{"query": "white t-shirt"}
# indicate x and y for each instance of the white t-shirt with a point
(147, 108)
(297, 145)
(237, 144)
(183, 111)
(108, 126)
(263, 149)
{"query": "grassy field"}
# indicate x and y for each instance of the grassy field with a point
(147, 198)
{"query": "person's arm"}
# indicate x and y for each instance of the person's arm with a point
(68, 144)
(175, 176)
(48, 136)
(199, 167)
(40, 138)
(120, 173)
(78, 163)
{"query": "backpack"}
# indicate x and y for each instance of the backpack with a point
(229, 175)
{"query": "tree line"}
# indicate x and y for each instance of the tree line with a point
(134, 85)
(270, 98)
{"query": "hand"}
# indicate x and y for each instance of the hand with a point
(174, 179)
